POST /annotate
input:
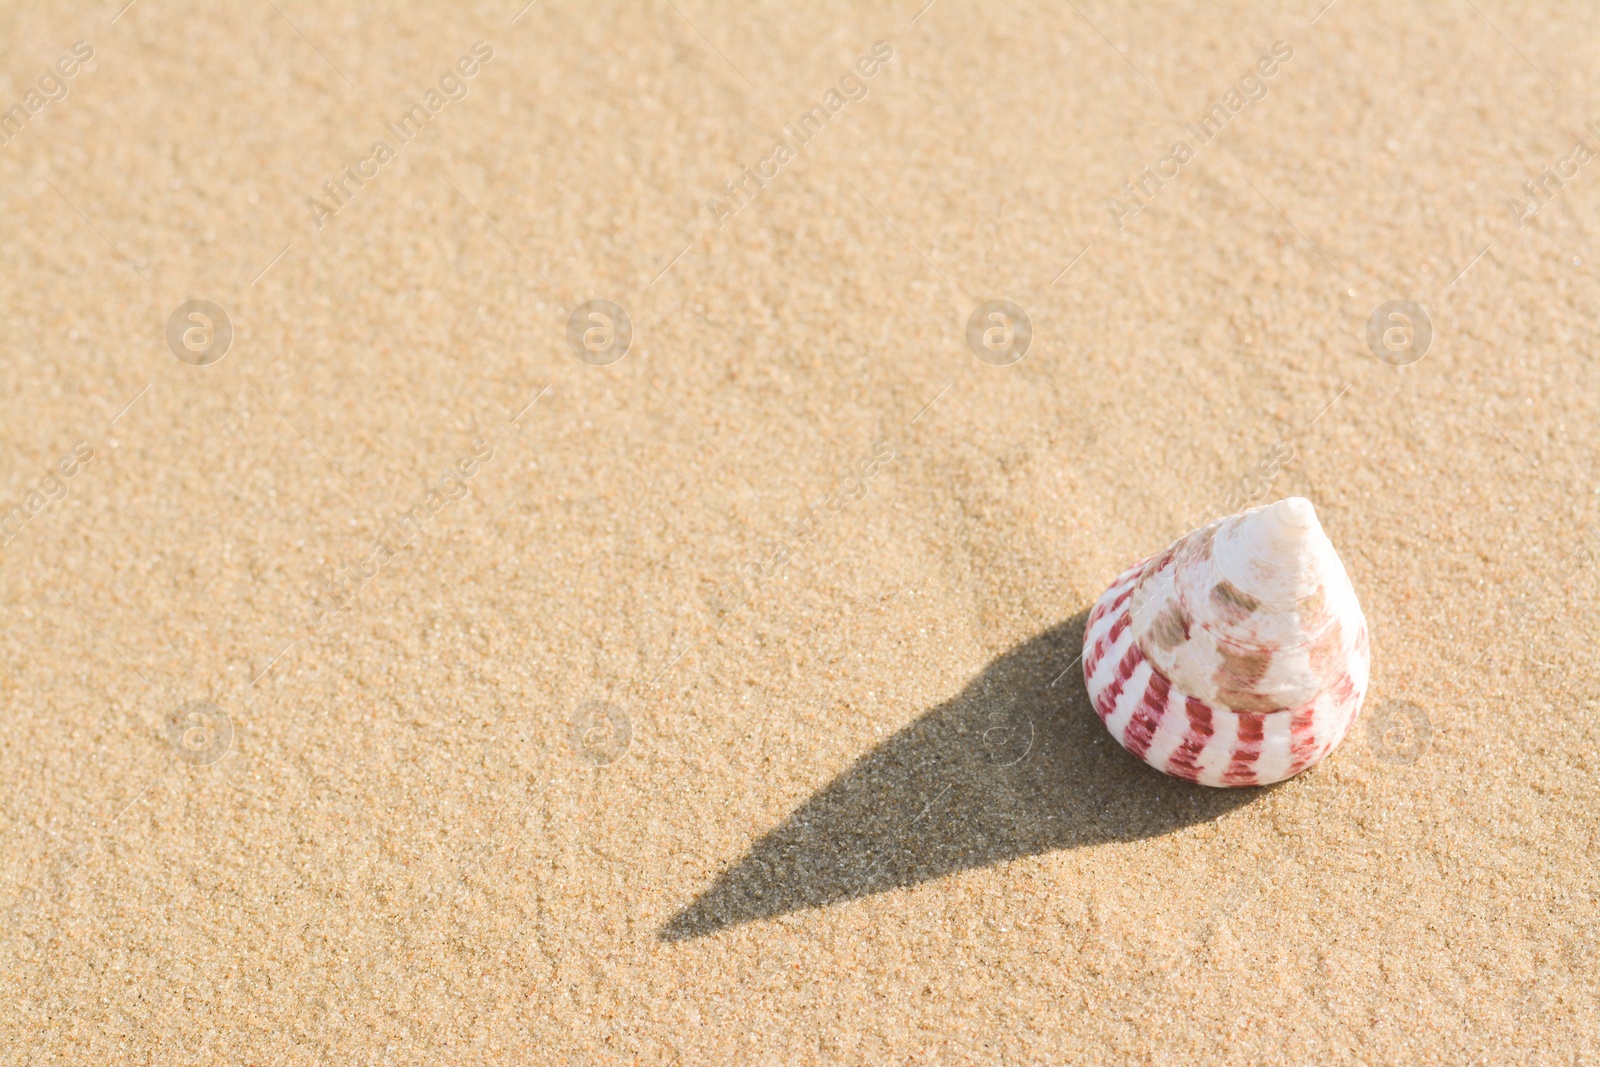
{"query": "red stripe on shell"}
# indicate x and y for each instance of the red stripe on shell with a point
(1302, 738)
(1097, 652)
(1147, 716)
(1107, 702)
(1246, 748)
(1185, 759)
(1118, 625)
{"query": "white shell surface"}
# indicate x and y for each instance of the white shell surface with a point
(1238, 656)
(1253, 612)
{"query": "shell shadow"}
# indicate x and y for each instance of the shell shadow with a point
(1015, 764)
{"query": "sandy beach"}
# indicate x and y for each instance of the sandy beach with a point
(563, 533)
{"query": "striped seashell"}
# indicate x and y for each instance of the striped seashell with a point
(1239, 656)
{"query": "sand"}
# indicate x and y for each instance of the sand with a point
(716, 703)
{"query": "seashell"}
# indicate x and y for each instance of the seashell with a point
(1238, 656)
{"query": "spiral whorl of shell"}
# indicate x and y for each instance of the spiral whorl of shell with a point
(1238, 656)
